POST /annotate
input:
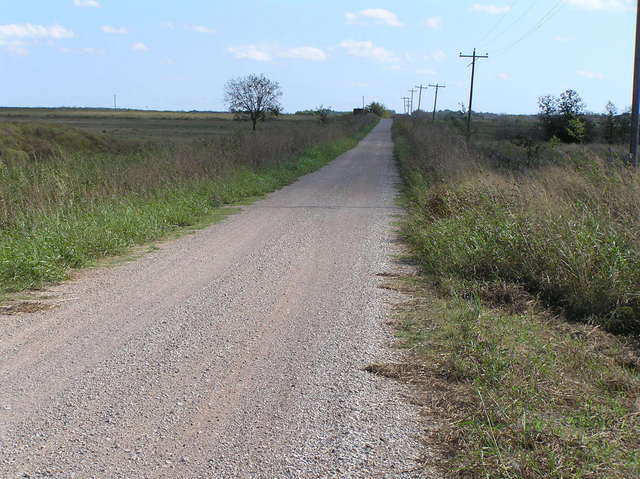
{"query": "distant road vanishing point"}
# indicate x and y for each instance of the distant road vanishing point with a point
(237, 351)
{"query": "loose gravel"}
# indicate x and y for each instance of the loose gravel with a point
(238, 351)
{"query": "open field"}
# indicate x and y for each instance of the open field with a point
(142, 125)
(524, 331)
(61, 113)
(69, 196)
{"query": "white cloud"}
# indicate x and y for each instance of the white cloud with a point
(360, 84)
(437, 56)
(201, 29)
(17, 37)
(380, 15)
(205, 30)
(28, 30)
(17, 47)
(139, 47)
(503, 76)
(433, 22)
(561, 39)
(83, 51)
(305, 53)
(251, 52)
(590, 75)
(490, 9)
(86, 3)
(426, 71)
(368, 50)
(627, 5)
(114, 30)
(266, 53)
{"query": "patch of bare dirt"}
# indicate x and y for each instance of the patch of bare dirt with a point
(24, 307)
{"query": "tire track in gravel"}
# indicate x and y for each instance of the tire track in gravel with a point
(237, 351)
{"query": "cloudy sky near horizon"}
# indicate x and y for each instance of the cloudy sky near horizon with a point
(177, 55)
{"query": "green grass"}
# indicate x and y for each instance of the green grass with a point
(508, 252)
(70, 210)
(163, 127)
(522, 395)
(566, 232)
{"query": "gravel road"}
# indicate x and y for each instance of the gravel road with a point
(237, 351)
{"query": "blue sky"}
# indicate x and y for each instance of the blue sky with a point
(168, 54)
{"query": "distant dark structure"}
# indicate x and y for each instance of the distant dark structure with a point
(359, 111)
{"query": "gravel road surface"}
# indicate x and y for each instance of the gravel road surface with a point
(237, 351)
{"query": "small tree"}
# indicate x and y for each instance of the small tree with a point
(570, 104)
(564, 117)
(323, 112)
(253, 96)
(609, 126)
(576, 130)
(377, 109)
(571, 107)
(548, 111)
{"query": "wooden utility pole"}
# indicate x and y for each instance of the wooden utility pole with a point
(420, 88)
(411, 102)
(473, 74)
(435, 102)
(405, 100)
(635, 108)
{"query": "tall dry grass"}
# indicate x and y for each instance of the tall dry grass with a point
(566, 231)
(43, 167)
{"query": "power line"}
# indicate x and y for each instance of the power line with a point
(498, 23)
(517, 20)
(635, 109)
(420, 87)
(435, 101)
(552, 12)
(411, 104)
(405, 100)
(473, 74)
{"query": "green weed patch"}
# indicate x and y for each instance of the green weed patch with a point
(522, 395)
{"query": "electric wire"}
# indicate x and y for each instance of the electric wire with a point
(552, 12)
(498, 23)
(516, 21)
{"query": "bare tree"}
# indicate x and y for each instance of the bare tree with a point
(254, 96)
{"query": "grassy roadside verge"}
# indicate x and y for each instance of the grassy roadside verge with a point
(520, 392)
(42, 246)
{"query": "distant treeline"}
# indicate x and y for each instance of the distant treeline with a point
(315, 112)
(563, 118)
